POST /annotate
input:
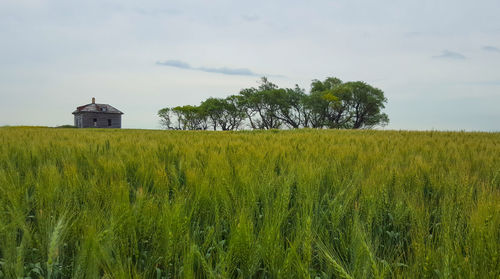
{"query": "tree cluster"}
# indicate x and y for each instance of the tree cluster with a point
(330, 104)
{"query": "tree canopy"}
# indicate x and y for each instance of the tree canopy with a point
(330, 104)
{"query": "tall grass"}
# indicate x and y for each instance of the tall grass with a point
(287, 204)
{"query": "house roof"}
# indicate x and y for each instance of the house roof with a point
(101, 108)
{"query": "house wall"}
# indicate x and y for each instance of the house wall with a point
(78, 121)
(86, 120)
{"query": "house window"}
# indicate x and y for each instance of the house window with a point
(109, 122)
(95, 122)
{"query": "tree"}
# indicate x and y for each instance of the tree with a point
(367, 102)
(179, 116)
(214, 109)
(331, 104)
(350, 105)
(234, 113)
(291, 107)
(325, 103)
(165, 118)
(261, 105)
(328, 84)
(314, 110)
(190, 117)
(246, 102)
(223, 113)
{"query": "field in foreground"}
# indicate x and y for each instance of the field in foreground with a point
(287, 204)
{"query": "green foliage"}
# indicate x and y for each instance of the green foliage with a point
(262, 104)
(223, 113)
(261, 204)
(165, 118)
(331, 104)
(189, 117)
(351, 105)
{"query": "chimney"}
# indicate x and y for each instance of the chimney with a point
(93, 100)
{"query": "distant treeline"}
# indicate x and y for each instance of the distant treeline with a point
(330, 104)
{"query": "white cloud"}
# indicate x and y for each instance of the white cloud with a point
(491, 49)
(446, 54)
(221, 70)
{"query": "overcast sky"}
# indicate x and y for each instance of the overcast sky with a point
(438, 61)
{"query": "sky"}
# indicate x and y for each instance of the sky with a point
(437, 61)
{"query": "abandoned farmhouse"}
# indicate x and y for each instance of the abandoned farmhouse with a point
(97, 116)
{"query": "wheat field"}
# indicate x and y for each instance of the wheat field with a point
(88, 203)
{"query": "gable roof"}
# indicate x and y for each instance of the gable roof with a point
(101, 108)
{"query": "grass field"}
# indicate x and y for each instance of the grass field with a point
(275, 204)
